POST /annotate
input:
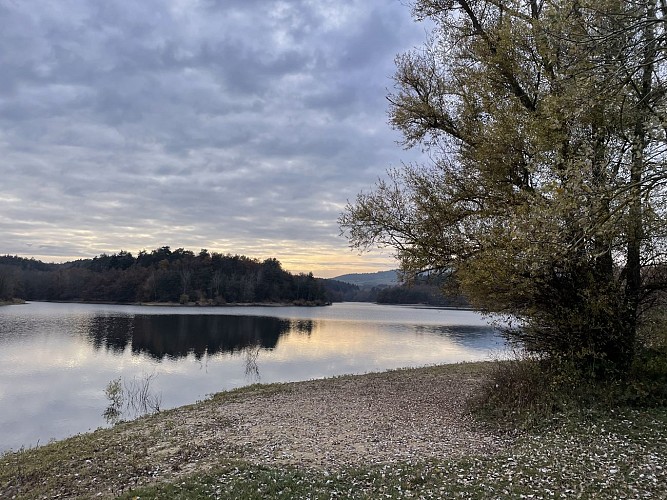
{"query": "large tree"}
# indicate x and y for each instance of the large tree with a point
(545, 123)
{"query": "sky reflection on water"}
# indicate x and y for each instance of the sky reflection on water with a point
(56, 359)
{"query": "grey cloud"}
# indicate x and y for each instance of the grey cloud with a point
(130, 124)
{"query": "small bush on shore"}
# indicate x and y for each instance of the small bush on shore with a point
(131, 399)
(531, 391)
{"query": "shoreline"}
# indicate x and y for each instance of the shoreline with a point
(171, 304)
(403, 433)
(320, 424)
(13, 302)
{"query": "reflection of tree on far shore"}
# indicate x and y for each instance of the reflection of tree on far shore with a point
(178, 336)
(112, 333)
(301, 326)
(465, 335)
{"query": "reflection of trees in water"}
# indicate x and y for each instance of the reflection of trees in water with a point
(465, 335)
(112, 333)
(301, 326)
(178, 336)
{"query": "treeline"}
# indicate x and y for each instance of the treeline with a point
(161, 275)
(423, 290)
(419, 293)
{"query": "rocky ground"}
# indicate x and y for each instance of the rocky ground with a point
(381, 418)
(400, 434)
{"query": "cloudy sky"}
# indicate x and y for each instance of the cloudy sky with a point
(240, 126)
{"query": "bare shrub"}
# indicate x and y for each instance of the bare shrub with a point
(131, 399)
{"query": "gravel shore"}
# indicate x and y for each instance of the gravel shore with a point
(399, 434)
(398, 415)
(401, 415)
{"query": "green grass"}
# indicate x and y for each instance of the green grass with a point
(84, 459)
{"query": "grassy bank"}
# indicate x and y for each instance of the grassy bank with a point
(11, 302)
(398, 434)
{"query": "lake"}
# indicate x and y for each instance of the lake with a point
(57, 359)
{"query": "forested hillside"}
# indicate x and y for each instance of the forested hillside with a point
(384, 287)
(380, 278)
(161, 275)
(421, 292)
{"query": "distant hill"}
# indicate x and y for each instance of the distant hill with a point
(384, 287)
(387, 278)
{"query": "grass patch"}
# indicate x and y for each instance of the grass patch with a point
(255, 390)
(534, 394)
(75, 464)
(11, 302)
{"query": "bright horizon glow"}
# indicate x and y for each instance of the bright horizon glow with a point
(321, 263)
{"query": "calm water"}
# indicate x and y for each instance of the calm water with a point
(56, 359)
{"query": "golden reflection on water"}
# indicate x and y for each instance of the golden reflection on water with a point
(335, 339)
(59, 358)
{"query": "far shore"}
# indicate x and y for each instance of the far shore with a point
(175, 304)
(232, 304)
(12, 302)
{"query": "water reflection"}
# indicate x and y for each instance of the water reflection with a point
(56, 359)
(178, 336)
(471, 336)
(112, 333)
